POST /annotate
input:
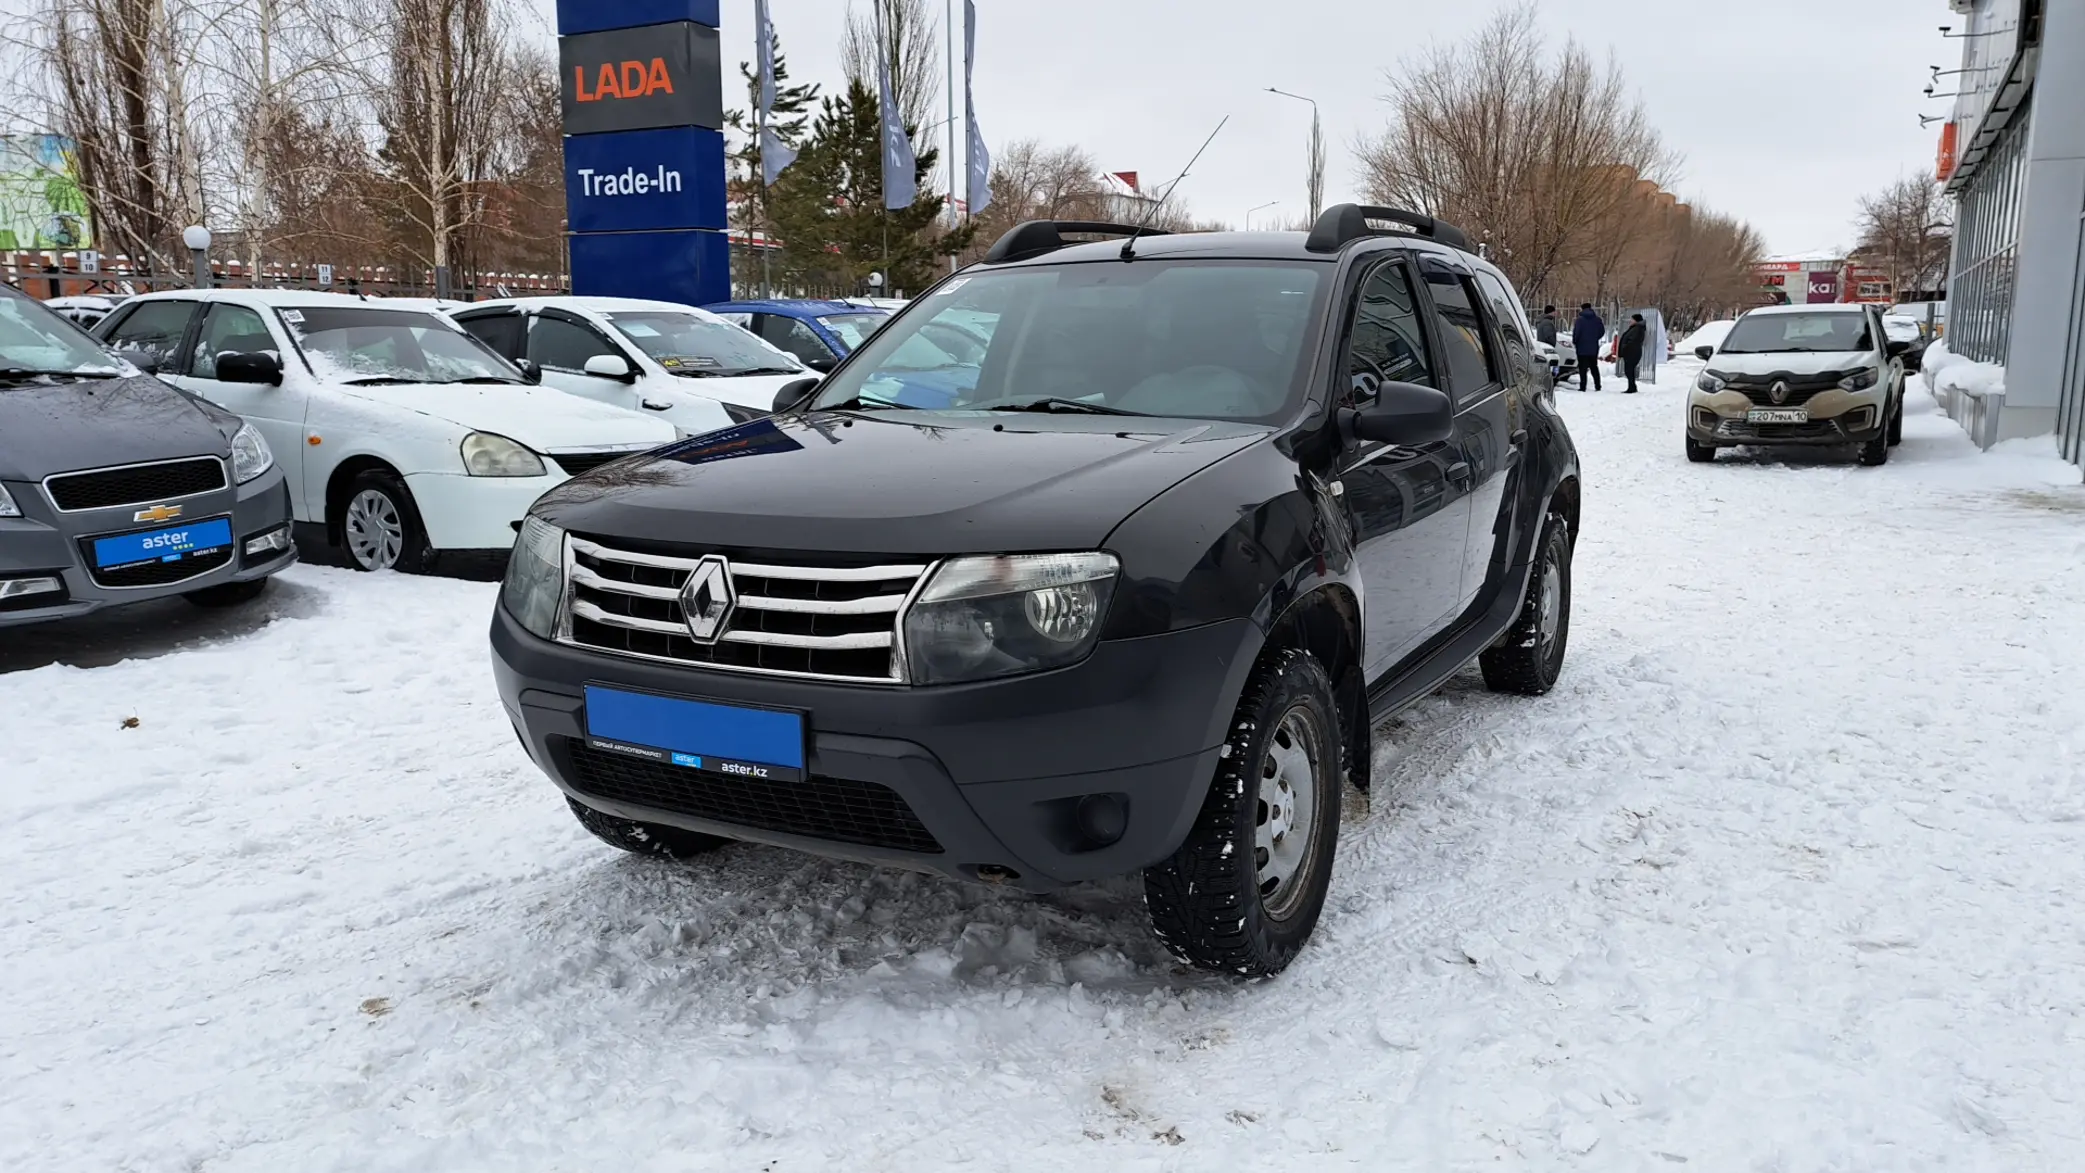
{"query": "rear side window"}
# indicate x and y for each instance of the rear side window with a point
(1472, 366)
(794, 336)
(154, 327)
(1513, 325)
(229, 329)
(502, 332)
(1385, 341)
(565, 346)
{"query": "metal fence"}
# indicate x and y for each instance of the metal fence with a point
(1987, 243)
(50, 274)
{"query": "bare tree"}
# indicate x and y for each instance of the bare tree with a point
(902, 34)
(1908, 229)
(1535, 152)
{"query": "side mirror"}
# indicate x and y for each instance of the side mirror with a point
(1404, 414)
(1704, 353)
(611, 366)
(147, 361)
(249, 368)
(793, 393)
(529, 370)
(822, 364)
(1898, 348)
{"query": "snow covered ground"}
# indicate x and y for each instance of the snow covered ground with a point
(1789, 874)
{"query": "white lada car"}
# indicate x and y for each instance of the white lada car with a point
(402, 435)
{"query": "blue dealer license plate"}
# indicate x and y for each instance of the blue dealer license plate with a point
(162, 545)
(697, 735)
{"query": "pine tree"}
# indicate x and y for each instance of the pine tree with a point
(829, 211)
(790, 120)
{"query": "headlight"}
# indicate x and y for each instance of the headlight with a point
(7, 506)
(250, 455)
(487, 455)
(1860, 380)
(535, 584)
(981, 618)
(1710, 383)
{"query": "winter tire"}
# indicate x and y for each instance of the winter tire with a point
(380, 526)
(1700, 453)
(644, 838)
(1528, 660)
(1896, 433)
(228, 594)
(1244, 891)
(1875, 453)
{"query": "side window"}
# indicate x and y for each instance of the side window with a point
(1513, 324)
(565, 346)
(794, 336)
(501, 331)
(154, 327)
(229, 329)
(1385, 342)
(1472, 366)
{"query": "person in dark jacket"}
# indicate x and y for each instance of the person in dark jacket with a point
(1630, 350)
(1586, 334)
(1546, 326)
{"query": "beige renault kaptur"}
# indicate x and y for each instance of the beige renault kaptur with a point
(1810, 375)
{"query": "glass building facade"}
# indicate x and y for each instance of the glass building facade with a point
(1987, 246)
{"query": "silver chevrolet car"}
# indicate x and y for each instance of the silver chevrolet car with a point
(116, 488)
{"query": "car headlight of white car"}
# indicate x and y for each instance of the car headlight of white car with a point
(981, 618)
(534, 588)
(489, 455)
(250, 454)
(1710, 383)
(1861, 380)
(7, 506)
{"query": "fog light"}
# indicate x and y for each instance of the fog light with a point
(275, 539)
(15, 588)
(1103, 818)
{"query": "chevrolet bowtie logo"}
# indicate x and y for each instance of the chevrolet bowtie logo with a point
(157, 513)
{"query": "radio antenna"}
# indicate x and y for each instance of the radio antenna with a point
(1129, 247)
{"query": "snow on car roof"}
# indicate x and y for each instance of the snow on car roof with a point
(1799, 308)
(599, 305)
(295, 298)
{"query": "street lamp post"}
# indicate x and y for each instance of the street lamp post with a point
(1249, 212)
(1317, 153)
(197, 238)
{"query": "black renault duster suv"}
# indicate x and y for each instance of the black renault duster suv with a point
(1123, 585)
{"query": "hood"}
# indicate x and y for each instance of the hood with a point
(756, 391)
(869, 484)
(543, 418)
(1790, 366)
(96, 423)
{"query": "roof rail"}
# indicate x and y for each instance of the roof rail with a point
(1343, 224)
(1036, 237)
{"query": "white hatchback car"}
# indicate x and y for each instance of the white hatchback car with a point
(685, 365)
(401, 434)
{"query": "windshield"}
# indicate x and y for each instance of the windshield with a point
(853, 329)
(692, 346)
(34, 340)
(1184, 339)
(1813, 333)
(353, 344)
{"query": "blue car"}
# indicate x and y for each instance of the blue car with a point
(818, 333)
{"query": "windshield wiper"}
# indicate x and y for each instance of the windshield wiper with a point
(695, 374)
(33, 373)
(379, 381)
(489, 379)
(1054, 404)
(858, 404)
(767, 371)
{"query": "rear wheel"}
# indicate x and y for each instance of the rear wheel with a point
(1700, 453)
(380, 525)
(1244, 891)
(1530, 657)
(644, 838)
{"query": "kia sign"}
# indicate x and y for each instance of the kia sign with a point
(640, 78)
(645, 180)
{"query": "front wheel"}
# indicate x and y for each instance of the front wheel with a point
(1530, 657)
(1896, 432)
(1875, 453)
(1243, 893)
(380, 525)
(1700, 453)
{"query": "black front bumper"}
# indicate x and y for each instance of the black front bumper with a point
(950, 779)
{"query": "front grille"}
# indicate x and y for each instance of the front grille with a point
(148, 574)
(580, 463)
(837, 622)
(138, 484)
(1760, 390)
(821, 808)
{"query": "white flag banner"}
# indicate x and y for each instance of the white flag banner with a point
(774, 153)
(979, 186)
(900, 181)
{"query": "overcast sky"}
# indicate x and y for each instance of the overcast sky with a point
(1785, 110)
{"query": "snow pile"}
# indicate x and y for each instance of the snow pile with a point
(1711, 334)
(1950, 374)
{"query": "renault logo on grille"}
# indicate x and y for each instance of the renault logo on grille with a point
(708, 599)
(1779, 392)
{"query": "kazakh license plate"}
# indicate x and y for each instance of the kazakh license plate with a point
(172, 544)
(1778, 415)
(732, 740)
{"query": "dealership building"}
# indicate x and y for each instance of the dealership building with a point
(2013, 157)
